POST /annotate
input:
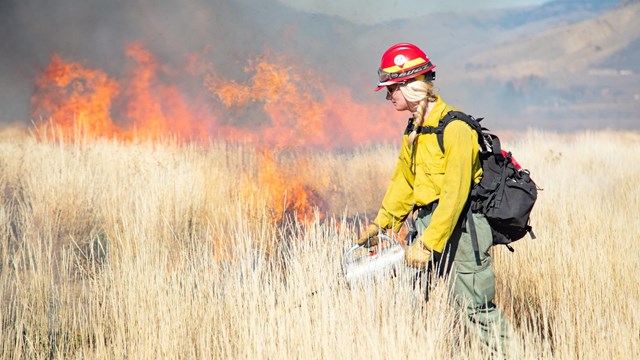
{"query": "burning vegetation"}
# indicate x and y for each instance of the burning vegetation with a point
(279, 105)
(288, 195)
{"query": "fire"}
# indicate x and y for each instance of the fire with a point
(285, 193)
(293, 107)
(155, 109)
(280, 105)
(75, 96)
(302, 109)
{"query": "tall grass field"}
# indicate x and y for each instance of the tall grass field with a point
(178, 250)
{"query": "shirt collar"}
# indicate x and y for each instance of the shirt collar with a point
(437, 112)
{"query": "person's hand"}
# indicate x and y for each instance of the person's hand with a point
(417, 255)
(369, 237)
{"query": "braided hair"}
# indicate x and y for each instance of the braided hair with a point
(422, 93)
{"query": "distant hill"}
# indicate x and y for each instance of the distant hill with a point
(575, 48)
(485, 51)
(560, 11)
(572, 76)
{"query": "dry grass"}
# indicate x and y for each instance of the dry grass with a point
(147, 250)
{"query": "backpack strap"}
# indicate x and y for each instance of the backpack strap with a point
(409, 127)
(474, 236)
(446, 120)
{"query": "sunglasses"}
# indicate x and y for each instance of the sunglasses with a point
(391, 89)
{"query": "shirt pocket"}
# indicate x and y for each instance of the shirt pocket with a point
(429, 157)
(429, 170)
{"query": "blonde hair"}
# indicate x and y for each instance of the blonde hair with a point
(420, 92)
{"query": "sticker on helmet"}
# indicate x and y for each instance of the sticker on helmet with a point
(399, 60)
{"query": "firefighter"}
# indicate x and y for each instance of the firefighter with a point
(431, 188)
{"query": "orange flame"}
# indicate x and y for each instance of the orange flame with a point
(156, 109)
(74, 96)
(300, 108)
(285, 192)
(282, 104)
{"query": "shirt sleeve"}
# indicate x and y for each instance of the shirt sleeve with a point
(398, 200)
(461, 150)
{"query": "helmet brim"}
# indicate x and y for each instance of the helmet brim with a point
(382, 85)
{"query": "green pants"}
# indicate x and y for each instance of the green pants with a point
(472, 286)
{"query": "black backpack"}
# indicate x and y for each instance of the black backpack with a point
(505, 195)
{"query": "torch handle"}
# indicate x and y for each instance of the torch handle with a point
(381, 238)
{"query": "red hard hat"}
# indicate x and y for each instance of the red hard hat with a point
(402, 62)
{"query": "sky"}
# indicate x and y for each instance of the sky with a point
(375, 11)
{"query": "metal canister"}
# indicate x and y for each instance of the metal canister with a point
(384, 261)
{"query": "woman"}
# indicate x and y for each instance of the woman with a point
(432, 186)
